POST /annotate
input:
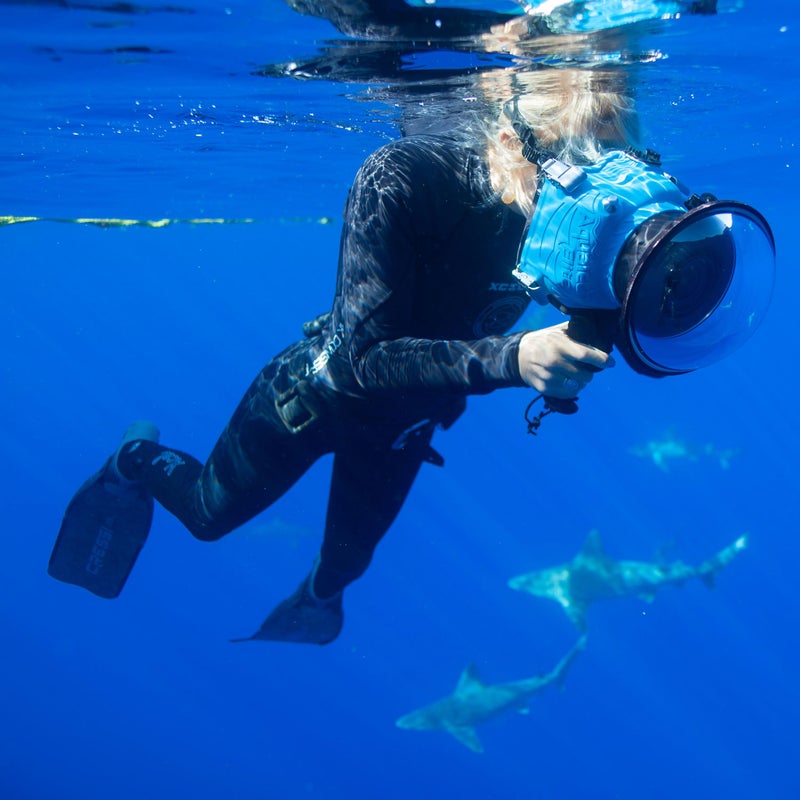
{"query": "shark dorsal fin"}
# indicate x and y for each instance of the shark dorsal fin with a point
(466, 736)
(469, 679)
(593, 546)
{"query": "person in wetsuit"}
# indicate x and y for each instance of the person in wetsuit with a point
(424, 299)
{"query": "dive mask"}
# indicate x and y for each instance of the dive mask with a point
(676, 281)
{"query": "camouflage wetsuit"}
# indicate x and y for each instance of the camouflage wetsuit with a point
(424, 295)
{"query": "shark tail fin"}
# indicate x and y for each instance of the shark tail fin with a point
(561, 669)
(708, 570)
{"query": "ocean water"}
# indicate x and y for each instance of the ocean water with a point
(172, 112)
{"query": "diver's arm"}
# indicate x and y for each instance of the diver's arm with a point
(472, 367)
(395, 19)
(376, 287)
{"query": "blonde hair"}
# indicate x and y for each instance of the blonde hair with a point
(578, 115)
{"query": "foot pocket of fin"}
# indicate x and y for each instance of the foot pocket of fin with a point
(301, 618)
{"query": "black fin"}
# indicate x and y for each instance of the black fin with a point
(103, 531)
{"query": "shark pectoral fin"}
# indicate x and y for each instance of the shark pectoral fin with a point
(466, 736)
(524, 583)
(577, 615)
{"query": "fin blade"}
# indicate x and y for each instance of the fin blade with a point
(102, 533)
(300, 618)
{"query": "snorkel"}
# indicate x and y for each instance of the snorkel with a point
(674, 280)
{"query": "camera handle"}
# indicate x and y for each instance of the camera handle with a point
(593, 327)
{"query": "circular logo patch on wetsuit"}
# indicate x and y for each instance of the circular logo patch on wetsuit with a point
(500, 315)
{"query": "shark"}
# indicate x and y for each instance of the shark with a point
(592, 576)
(474, 702)
(669, 449)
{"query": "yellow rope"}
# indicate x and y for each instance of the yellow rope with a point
(162, 223)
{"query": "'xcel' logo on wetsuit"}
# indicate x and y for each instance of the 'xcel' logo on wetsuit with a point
(506, 287)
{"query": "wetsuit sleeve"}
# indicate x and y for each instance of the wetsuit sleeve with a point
(393, 217)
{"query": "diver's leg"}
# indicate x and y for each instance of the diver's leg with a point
(368, 488)
(369, 484)
(256, 459)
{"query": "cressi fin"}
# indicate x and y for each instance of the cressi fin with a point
(302, 618)
(103, 531)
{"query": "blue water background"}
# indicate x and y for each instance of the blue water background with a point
(692, 696)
